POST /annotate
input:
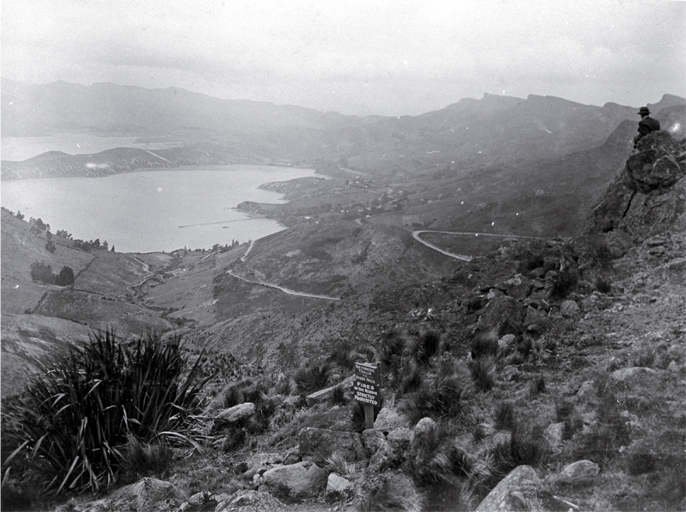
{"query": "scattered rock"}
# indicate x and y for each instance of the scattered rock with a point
(423, 426)
(296, 480)
(569, 309)
(673, 367)
(236, 413)
(251, 501)
(586, 391)
(292, 457)
(338, 485)
(517, 491)
(506, 346)
(400, 439)
(317, 444)
(485, 430)
(635, 372)
(518, 287)
(581, 472)
(389, 419)
(553, 435)
(373, 440)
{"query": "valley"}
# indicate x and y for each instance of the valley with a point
(554, 298)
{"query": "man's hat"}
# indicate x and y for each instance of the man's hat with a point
(644, 110)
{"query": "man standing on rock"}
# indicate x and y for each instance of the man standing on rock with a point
(646, 125)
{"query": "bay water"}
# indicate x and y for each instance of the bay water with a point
(161, 210)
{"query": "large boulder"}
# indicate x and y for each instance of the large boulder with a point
(317, 444)
(295, 481)
(517, 491)
(649, 196)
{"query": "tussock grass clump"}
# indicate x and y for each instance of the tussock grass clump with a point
(425, 345)
(395, 493)
(566, 413)
(642, 458)
(311, 378)
(610, 433)
(483, 373)
(141, 459)
(338, 396)
(564, 283)
(523, 448)
(602, 284)
(436, 458)
(504, 416)
(484, 344)
(75, 416)
(537, 386)
(438, 398)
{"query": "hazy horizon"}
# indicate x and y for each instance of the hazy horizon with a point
(382, 58)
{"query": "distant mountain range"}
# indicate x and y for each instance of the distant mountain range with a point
(470, 134)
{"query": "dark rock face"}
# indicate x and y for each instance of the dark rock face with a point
(649, 196)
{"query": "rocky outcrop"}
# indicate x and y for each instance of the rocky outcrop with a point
(517, 491)
(649, 196)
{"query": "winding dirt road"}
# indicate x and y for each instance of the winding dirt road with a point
(415, 235)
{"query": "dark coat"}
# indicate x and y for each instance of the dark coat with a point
(647, 125)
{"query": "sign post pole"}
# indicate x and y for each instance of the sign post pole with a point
(366, 386)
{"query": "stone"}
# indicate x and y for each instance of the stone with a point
(648, 198)
(518, 287)
(519, 490)
(399, 439)
(373, 440)
(586, 391)
(389, 419)
(317, 444)
(581, 472)
(251, 501)
(292, 456)
(553, 435)
(569, 309)
(632, 373)
(260, 461)
(237, 413)
(338, 485)
(485, 430)
(423, 427)
(673, 367)
(506, 346)
(296, 480)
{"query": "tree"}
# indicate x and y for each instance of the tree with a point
(20, 215)
(50, 246)
(65, 277)
(42, 273)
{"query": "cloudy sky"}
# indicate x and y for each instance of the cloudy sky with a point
(387, 57)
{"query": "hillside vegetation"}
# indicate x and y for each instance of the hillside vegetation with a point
(546, 373)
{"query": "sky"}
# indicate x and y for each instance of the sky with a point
(360, 57)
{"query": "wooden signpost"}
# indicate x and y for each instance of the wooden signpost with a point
(366, 387)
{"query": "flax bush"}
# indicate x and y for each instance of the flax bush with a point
(69, 430)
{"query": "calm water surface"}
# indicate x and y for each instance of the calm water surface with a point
(154, 210)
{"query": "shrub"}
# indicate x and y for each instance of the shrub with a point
(435, 458)
(641, 459)
(537, 386)
(566, 413)
(338, 396)
(646, 357)
(344, 356)
(390, 352)
(602, 285)
(42, 273)
(440, 398)
(484, 344)
(76, 415)
(564, 283)
(311, 378)
(521, 449)
(425, 346)
(412, 380)
(143, 459)
(504, 416)
(482, 372)
(65, 277)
